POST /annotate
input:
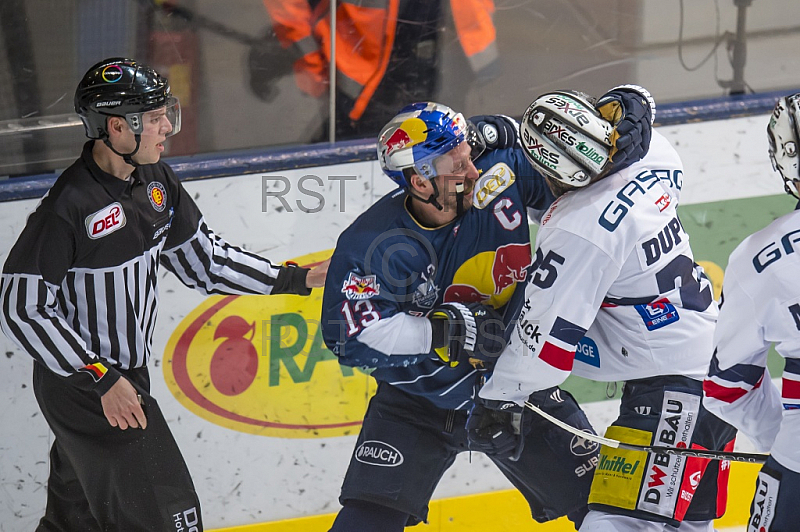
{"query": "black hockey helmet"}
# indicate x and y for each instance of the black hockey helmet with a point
(126, 88)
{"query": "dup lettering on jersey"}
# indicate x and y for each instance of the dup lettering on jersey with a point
(775, 250)
(762, 511)
(105, 221)
(794, 311)
(666, 240)
(661, 492)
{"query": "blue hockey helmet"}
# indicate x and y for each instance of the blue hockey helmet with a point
(419, 134)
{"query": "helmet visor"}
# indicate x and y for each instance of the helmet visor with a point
(455, 162)
(475, 140)
(153, 121)
(174, 115)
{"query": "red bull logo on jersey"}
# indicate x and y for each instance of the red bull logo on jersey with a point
(510, 265)
(360, 286)
(490, 277)
(410, 132)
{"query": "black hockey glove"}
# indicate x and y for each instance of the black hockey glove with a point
(498, 131)
(267, 64)
(467, 332)
(498, 427)
(631, 110)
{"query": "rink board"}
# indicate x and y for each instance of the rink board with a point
(505, 510)
(286, 473)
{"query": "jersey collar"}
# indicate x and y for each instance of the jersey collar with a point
(112, 184)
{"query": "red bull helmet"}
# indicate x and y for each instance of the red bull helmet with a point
(419, 134)
(783, 132)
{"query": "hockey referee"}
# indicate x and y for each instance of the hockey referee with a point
(79, 293)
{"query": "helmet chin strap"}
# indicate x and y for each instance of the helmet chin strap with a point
(125, 156)
(459, 199)
(787, 185)
(433, 198)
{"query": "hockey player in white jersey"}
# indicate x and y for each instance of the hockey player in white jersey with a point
(761, 306)
(616, 295)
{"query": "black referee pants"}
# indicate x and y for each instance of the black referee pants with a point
(106, 479)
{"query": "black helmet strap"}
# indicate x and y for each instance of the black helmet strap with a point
(125, 156)
(432, 199)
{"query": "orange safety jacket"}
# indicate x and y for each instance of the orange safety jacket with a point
(365, 33)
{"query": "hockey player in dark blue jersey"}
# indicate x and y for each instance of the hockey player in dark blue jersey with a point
(422, 287)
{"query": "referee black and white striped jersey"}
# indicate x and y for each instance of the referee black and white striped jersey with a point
(79, 287)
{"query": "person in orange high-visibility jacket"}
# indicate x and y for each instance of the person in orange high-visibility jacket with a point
(385, 51)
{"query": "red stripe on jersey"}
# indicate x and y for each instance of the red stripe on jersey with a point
(722, 393)
(724, 471)
(692, 473)
(791, 389)
(557, 357)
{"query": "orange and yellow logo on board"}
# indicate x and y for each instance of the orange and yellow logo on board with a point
(257, 364)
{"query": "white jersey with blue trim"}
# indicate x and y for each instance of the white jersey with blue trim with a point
(761, 307)
(614, 279)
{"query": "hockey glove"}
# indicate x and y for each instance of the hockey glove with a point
(467, 332)
(497, 131)
(631, 110)
(497, 427)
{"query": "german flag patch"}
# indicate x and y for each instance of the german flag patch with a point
(96, 370)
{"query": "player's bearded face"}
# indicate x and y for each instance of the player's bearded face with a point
(456, 170)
